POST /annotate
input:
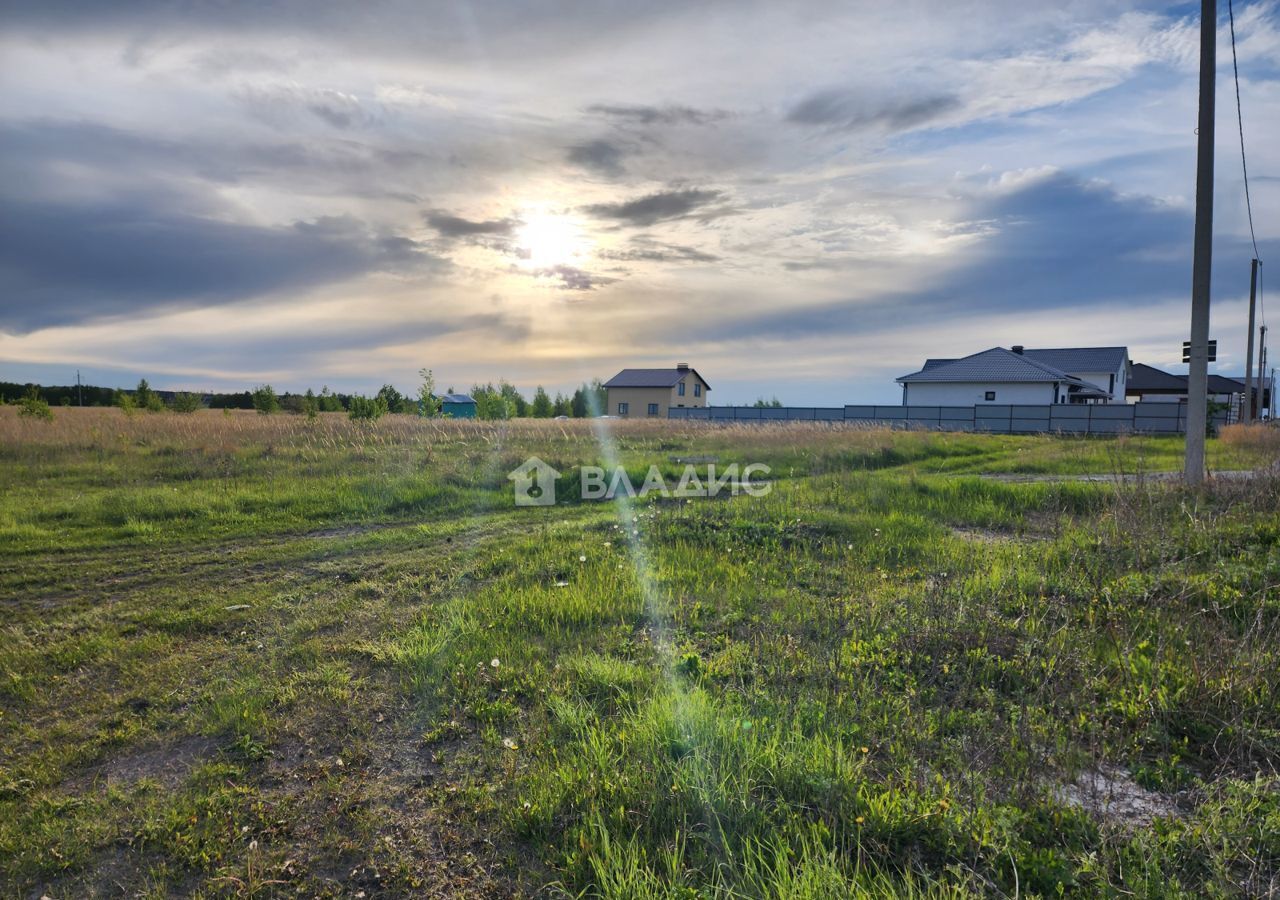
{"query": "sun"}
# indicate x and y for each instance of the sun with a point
(547, 239)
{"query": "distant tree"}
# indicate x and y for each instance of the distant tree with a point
(428, 403)
(128, 405)
(142, 394)
(561, 407)
(490, 404)
(589, 400)
(184, 402)
(329, 402)
(368, 408)
(517, 406)
(310, 404)
(762, 403)
(542, 406)
(34, 406)
(265, 400)
(396, 401)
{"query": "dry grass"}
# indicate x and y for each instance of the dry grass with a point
(1256, 437)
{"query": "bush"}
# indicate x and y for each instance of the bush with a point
(367, 408)
(265, 400)
(127, 404)
(184, 402)
(33, 406)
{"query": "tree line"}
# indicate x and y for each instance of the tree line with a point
(500, 401)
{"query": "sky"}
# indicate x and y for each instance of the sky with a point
(801, 200)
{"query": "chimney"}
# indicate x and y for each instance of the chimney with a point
(1017, 348)
(682, 367)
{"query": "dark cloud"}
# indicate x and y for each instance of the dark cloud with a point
(658, 115)
(816, 265)
(572, 278)
(600, 156)
(645, 249)
(647, 210)
(64, 263)
(850, 110)
(32, 154)
(451, 226)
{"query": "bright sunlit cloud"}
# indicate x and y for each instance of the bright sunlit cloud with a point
(548, 239)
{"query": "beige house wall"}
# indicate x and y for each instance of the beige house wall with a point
(638, 399)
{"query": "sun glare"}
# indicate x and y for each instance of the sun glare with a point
(549, 239)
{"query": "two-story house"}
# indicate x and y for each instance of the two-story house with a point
(649, 393)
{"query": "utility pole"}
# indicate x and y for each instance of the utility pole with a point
(1198, 376)
(1248, 353)
(1262, 369)
(80, 391)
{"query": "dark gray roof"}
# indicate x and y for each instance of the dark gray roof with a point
(934, 363)
(1144, 379)
(1082, 359)
(456, 398)
(996, 364)
(643, 378)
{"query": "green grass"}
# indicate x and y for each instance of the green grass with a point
(256, 656)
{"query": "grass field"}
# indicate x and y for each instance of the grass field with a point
(266, 656)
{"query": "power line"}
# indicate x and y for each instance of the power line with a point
(1244, 164)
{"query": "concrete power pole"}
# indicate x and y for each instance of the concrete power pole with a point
(1262, 368)
(1198, 377)
(1248, 353)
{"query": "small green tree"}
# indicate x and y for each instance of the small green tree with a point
(265, 400)
(517, 406)
(329, 402)
(128, 405)
(428, 403)
(310, 404)
(561, 407)
(394, 399)
(34, 406)
(184, 402)
(541, 408)
(367, 408)
(142, 394)
(490, 404)
(762, 403)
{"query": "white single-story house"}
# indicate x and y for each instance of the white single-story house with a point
(1018, 376)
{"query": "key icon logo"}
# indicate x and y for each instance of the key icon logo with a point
(535, 483)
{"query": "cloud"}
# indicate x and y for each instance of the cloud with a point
(653, 208)
(646, 249)
(62, 263)
(451, 226)
(572, 278)
(600, 156)
(639, 114)
(1058, 242)
(279, 104)
(851, 110)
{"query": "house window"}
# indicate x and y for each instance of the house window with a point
(653, 409)
(991, 395)
(624, 408)
(697, 389)
(680, 389)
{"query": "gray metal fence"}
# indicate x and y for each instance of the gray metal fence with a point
(1157, 418)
